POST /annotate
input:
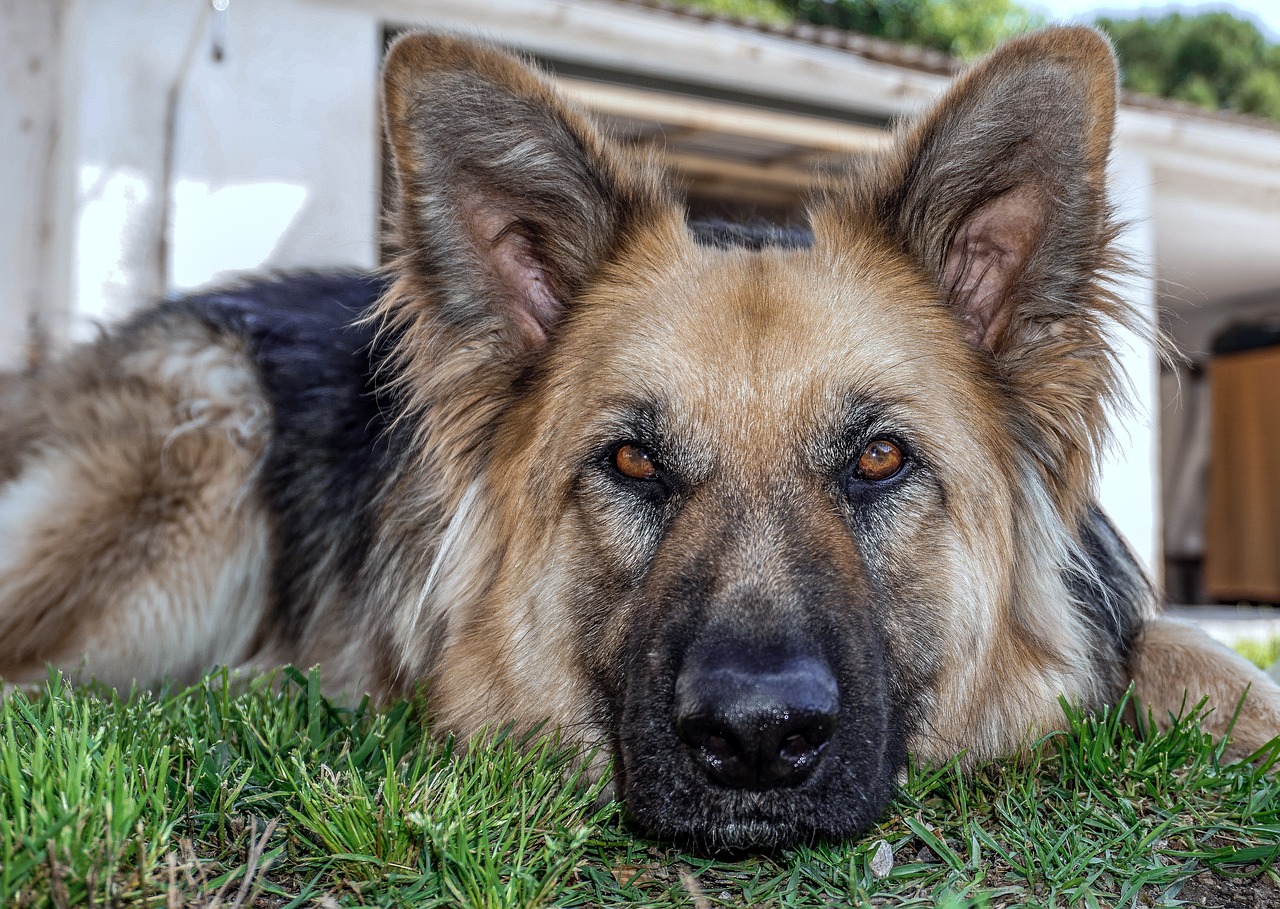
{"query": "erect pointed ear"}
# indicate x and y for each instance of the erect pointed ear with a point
(508, 200)
(1000, 191)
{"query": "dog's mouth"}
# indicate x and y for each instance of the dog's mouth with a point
(758, 746)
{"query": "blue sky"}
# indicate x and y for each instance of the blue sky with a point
(1264, 12)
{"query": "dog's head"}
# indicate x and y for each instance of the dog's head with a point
(758, 521)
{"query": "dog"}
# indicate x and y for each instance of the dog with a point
(754, 514)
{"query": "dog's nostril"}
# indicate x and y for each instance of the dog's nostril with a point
(717, 748)
(797, 748)
(757, 722)
(720, 755)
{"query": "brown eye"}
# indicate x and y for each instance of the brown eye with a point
(880, 460)
(634, 462)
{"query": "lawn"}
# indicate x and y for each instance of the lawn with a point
(268, 795)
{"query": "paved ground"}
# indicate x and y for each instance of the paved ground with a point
(1232, 623)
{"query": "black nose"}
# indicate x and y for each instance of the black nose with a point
(755, 718)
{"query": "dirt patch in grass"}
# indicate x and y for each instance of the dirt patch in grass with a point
(1209, 891)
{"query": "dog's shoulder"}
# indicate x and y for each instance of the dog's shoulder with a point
(321, 361)
(312, 343)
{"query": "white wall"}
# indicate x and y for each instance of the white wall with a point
(1129, 490)
(274, 160)
(33, 149)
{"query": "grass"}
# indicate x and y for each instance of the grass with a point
(1261, 653)
(268, 795)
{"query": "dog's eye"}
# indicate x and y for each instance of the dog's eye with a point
(634, 463)
(880, 460)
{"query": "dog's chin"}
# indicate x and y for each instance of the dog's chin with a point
(712, 832)
(668, 797)
(713, 820)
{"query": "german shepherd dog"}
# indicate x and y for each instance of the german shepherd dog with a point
(755, 514)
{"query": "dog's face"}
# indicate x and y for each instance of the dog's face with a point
(758, 522)
(759, 447)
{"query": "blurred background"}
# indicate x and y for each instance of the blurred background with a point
(151, 146)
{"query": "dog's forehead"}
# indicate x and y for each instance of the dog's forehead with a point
(773, 331)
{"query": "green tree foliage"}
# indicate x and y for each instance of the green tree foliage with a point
(1211, 59)
(760, 10)
(964, 28)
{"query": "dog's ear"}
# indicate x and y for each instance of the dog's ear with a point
(999, 193)
(1000, 190)
(508, 200)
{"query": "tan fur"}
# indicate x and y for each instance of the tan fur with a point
(140, 462)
